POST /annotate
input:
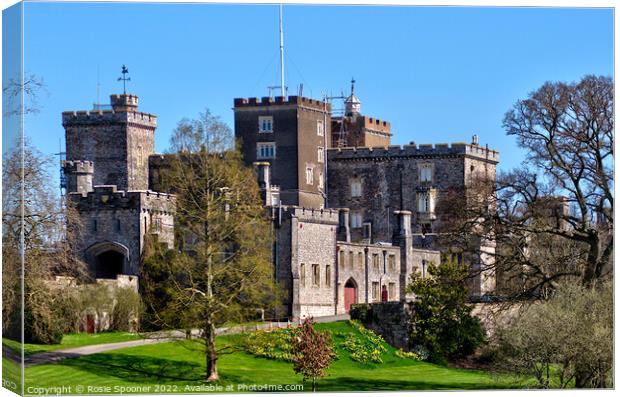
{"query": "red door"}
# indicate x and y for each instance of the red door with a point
(90, 324)
(350, 296)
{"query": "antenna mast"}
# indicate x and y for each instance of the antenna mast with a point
(281, 54)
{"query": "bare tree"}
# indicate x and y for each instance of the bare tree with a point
(552, 218)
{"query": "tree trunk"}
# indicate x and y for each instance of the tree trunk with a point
(313, 384)
(211, 355)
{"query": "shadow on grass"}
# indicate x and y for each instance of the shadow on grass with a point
(361, 384)
(138, 368)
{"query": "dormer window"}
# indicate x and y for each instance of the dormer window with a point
(265, 124)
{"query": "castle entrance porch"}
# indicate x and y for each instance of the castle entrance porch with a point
(350, 294)
(107, 259)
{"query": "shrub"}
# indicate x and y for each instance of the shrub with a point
(359, 311)
(126, 310)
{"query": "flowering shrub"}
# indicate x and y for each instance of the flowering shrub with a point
(366, 347)
(276, 344)
(403, 354)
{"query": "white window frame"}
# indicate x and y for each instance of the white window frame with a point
(426, 172)
(320, 154)
(263, 150)
(320, 128)
(265, 124)
(356, 188)
(321, 181)
(426, 202)
(356, 219)
(310, 175)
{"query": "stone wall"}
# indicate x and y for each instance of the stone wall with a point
(117, 142)
(390, 320)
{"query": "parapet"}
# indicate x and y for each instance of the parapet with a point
(376, 124)
(124, 102)
(413, 150)
(280, 101)
(78, 166)
(94, 117)
(325, 215)
(108, 197)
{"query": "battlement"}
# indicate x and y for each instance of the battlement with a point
(281, 101)
(78, 166)
(95, 117)
(107, 196)
(376, 124)
(328, 215)
(413, 150)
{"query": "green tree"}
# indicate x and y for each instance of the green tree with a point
(312, 352)
(441, 320)
(222, 271)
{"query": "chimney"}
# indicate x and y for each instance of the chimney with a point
(404, 223)
(344, 234)
(264, 180)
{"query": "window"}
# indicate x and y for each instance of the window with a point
(426, 173)
(316, 275)
(321, 181)
(320, 154)
(423, 268)
(320, 128)
(356, 188)
(392, 291)
(302, 275)
(157, 224)
(94, 225)
(356, 219)
(275, 199)
(309, 175)
(118, 225)
(375, 262)
(266, 150)
(351, 260)
(392, 263)
(265, 124)
(341, 259)
(375, 291)
(328, 276)
(360, 259)
(426, 202)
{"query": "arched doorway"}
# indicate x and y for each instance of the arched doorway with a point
(107, 259)
(350, 294)
(108, 264)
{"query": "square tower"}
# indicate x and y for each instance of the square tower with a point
(117, 141)
(292, 134)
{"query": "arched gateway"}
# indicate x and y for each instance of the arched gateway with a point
(107, 259)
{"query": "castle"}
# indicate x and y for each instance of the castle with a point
(353, 216)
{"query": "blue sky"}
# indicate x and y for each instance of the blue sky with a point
(438, 74)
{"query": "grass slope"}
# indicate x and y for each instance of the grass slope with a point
(181, 365)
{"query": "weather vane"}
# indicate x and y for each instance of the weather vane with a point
(124, 79)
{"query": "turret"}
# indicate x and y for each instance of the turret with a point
(79, 176)
(124, 102)
(264, 180)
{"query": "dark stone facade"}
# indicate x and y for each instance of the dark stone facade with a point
(297, 143)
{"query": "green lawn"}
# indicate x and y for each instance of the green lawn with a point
(179, 365)
(71, 340)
